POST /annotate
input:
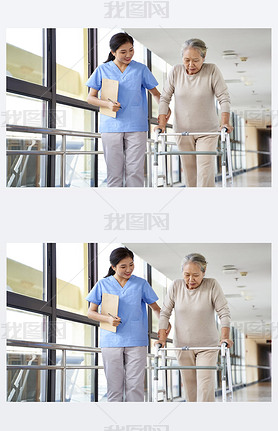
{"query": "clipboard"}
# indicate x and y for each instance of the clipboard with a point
(109, 304)
(109, 90)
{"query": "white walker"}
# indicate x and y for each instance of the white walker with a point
(224, 153)
(224, 367)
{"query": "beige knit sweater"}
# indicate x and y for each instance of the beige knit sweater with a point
(195, 109)
(195, 324)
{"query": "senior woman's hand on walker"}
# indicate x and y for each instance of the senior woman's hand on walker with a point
(162, 337)
(162, 121)
(228, 127)
(227, 341)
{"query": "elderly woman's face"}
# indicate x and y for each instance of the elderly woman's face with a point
(192, 274)
(192, 60)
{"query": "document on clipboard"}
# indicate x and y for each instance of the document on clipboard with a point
(109, 304)
(109, 90)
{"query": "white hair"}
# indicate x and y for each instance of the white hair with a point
(196, 44)
(195, 258)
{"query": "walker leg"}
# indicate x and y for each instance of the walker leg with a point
(229, 372)
(229, 157)
(163, 363)
(164, 173)
(223, 372)
(155, 165)
(155, 383)
(223, 157)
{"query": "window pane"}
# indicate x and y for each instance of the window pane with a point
(26, 54)
(79, 383)
(102, 169)
(140, 52)
(72, 277)
(25, 111)
(25, 269)
(159, 70)
(72, 62)
(159, 284)
(79, 168)
(26, 170)
(26, 385)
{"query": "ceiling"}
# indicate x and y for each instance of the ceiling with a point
(250, 305)
(249, 81)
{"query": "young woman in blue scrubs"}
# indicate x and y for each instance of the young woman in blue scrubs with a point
(124, 137)
(124, 352)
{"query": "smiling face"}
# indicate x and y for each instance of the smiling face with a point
(192, 60)
(192, 274)
(124, 53)
(124, 269)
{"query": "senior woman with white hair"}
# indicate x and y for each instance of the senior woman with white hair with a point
(195, 85)
(195, 300)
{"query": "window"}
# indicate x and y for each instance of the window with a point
(26, 54)
(80, 385)
(26, 385)
(26, 269)
(72, 277)
(72, 62)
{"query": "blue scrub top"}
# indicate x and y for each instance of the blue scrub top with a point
(133, 297)
(133, 82)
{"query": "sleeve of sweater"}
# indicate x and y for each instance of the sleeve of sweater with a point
(167, 308)
(221, 305)
(167, 93)
(221, 90)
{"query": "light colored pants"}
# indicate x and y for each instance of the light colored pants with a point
(124, 369)
(198, 384)
(124, 155)
(199, 171)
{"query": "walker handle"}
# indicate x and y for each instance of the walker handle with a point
(157, 132)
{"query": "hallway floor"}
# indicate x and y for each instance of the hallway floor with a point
(259, 392)
(260, 177)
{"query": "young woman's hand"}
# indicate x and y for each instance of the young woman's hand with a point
(114, 321)
(114, 106)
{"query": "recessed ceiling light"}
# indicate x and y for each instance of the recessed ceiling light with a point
(229, 56)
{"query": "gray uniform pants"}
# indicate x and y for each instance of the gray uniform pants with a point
(124, 155)
(124, 369)
(199, 171)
